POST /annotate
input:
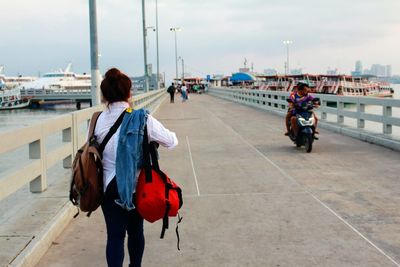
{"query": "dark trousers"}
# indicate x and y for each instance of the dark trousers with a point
(172, 95)
(119, 222)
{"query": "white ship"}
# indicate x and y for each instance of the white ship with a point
(14, 81)
(57, 81)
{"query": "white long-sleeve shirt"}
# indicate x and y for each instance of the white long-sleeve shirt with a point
(155, 131)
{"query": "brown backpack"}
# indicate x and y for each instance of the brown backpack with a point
(86, 190)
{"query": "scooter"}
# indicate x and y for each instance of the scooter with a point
(306, 125)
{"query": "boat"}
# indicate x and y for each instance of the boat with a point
(60, 80)
(327, 84)
(10, 98)
(14, 81)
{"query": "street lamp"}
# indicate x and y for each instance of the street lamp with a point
(158, 61)
(94, 54)
(146, 75)
(151, 28)
(176, 29)
(147, 43)
(287, 43)
(183, 69)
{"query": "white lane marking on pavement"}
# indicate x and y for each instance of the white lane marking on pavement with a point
(307, 190)
(245, 194)
(191, 161)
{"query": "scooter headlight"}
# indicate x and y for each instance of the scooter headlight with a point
(304, 122)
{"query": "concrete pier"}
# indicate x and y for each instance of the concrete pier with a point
(251, 198)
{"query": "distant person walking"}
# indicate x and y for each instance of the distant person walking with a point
(122, 164)
(171, 90)
(184, 92)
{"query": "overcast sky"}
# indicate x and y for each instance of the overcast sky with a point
(44, 35)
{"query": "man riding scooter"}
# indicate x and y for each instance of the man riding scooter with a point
(297, 99)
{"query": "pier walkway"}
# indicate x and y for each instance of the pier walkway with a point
(251, 198)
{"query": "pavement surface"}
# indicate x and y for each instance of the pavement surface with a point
(251, 198)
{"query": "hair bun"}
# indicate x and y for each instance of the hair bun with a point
(113, 74)
(116, 86)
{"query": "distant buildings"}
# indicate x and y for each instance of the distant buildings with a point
(395, 79)
(270, 72)
(375, 70)
(379, 70)
(359, 66)
(332, 72)
(358, 70)
(139, 82)
(296, 71)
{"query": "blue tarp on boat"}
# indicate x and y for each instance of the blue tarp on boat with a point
(242, 77)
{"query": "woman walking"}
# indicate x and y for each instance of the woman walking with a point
(122, 161)
(184, 92)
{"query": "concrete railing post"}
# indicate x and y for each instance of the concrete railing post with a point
(323, 113)
(75, 133)
(360, 111)
(387, 112)
(37, 152)
(340, 107)
(67, 138)
(284, 106)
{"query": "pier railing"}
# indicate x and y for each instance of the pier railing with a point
(57, 94)
(331, 105)
(72, 126)
(78, 93)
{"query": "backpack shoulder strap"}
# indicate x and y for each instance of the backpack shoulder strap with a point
(112, 131)
(93, 122)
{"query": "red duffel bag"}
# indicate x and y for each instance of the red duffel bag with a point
(157, 196)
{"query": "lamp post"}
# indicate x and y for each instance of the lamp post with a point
(158, 59)
(150, 75)
(146, 75)
(94, 54)
(176, 29)
(287, 43)
(183, 69)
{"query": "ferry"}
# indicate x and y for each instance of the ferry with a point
(57, 81)
(10, 98)
(327, 84)
(14, 81)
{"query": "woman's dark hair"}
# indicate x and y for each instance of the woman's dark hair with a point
(116, 86)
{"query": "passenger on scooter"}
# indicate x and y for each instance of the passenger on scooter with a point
(298, 98)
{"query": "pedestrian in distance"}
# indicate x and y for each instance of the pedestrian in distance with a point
(171, 90)
(121, 166)
(184, 92)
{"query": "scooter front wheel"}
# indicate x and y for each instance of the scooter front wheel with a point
(308, 141)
